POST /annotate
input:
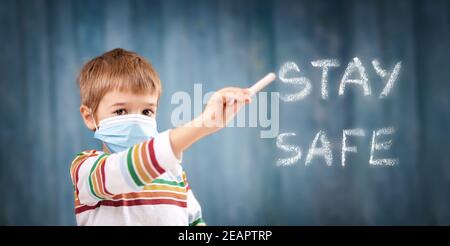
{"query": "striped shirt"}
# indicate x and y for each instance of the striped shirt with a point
(143, 185)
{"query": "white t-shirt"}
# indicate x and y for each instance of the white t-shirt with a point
(143, 185)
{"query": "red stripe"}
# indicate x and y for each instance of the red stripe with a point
(104, 176)
(129, 203)
(153, 158)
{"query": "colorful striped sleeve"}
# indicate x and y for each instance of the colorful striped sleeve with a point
(194, 208)
(102, 176)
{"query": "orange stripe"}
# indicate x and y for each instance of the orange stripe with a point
(96, 180)
(95, 183)
(137, 163)
(77, 203)
(99, 176)
(77, 200)
(150, 195)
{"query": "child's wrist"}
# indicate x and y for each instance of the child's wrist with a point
(203, 127)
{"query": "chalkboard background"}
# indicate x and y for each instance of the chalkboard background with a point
(219, 43)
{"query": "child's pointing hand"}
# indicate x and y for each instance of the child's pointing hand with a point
(223, 106)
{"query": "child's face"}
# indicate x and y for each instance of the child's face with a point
(116, 103)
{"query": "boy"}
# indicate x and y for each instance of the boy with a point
(137, 179)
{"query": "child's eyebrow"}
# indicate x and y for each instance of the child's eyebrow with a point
(123, 104)
(118, 104)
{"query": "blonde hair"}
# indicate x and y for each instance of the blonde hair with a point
(117, 69)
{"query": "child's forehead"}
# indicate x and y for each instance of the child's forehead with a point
(129, 96)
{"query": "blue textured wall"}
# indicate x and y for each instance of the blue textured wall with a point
(44, 43)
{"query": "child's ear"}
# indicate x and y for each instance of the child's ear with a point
(85, 112)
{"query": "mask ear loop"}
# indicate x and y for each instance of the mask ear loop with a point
(96, 128)
(93, 119)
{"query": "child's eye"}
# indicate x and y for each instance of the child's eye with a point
(120, 112)
(148, 112)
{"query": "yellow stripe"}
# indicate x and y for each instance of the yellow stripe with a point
(164, 187)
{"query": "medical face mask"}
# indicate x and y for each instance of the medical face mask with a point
(119, 133)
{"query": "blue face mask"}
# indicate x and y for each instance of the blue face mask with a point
(119, 133)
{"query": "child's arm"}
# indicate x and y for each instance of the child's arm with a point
(221, 108)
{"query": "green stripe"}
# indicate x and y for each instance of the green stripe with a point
(197, 221)
(133, 174)
(91, 186)
(163, 181)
